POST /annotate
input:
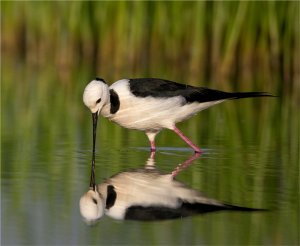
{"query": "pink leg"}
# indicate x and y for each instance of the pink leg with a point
(152, 155)
(185, 139)
(150, 163)
(184, 165)
(153, 148)
(151, 136)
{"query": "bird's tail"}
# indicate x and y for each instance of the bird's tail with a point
(202, 208)
(237, 95)
(238, 208)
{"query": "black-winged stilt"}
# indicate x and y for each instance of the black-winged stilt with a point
(148, 194)
(150, 104)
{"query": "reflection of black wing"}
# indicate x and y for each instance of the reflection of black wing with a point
(144, 87)
(186, 209)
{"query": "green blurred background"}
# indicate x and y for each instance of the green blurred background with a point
(229, 45)
(51, 50)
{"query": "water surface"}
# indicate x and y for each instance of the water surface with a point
(245, 163)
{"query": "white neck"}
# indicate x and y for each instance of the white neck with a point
(105, 111)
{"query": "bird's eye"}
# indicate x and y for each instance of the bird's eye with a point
(99, 100)
(94, 201)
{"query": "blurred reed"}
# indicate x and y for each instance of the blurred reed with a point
(228, 45)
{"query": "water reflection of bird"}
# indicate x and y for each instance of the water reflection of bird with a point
(150, 104)
(148, 194)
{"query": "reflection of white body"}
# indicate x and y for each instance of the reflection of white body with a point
(150, 104)
(147, 194)
(148, 188)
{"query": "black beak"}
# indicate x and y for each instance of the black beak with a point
(92, 181)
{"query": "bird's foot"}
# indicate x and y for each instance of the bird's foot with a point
(197, 150)
(153, 147)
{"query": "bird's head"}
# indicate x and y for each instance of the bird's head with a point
(95, 95)
(91, 206)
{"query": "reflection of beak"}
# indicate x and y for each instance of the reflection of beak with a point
(92, 181)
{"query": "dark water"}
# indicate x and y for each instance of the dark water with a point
(250, 159)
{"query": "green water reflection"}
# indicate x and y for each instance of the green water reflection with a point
(251, 146)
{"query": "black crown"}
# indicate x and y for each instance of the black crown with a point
(100, 79)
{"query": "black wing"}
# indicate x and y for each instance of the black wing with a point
(148, 213)
(144, 87)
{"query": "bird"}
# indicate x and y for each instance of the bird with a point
(153, 104)
(148, 194)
